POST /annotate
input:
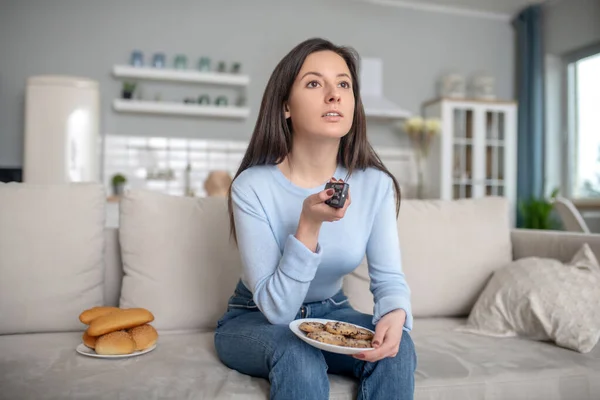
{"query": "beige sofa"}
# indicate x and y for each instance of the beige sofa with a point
(172, 255)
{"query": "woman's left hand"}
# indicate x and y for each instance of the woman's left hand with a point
(386, 340)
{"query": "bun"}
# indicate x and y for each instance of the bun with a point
(119, 320)
(90, 314)
(89, 341)
(113, 343)
(144, 336)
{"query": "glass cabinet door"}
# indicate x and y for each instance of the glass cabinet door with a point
(495, 172)
(463, 153)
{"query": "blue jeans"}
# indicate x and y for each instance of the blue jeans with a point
(248, 343)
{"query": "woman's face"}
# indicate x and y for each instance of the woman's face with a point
(321, 101)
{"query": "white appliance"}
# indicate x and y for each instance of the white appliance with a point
(62, 142)
(371, 91)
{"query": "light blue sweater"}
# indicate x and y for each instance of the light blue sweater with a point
(282, 273)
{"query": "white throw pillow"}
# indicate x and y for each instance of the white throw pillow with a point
(51, 255)
(178, 260)
(542, 299)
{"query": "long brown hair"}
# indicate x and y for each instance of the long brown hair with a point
(272, 136)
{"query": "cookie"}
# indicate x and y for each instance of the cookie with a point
(341, 328)
(363, 334)
(364, 344)
(311, 327)
(326, 337)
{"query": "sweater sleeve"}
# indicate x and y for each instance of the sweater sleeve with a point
(388, 284)
(278, 280)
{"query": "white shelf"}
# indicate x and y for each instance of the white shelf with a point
(178, 75)
(172, 108)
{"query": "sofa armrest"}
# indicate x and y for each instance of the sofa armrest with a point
(559, 245)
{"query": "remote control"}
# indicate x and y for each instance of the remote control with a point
(339, 196)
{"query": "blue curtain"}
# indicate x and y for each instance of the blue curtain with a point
(530, 96)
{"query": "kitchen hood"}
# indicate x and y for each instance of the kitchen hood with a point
(371, 92)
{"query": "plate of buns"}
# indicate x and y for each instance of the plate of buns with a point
(115, 332)
(333, 336)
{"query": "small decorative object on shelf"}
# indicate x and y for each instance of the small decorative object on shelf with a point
(118, 184)
(159, 60)
(221, 101)
(482, 86)
(420, 132)
(204, 64)
(180, 62)
(189, 100)
(236, 68)
(204, 99)
(137, 58)
(452, 86)
(221, 66)
(128, 89)
(241, 101)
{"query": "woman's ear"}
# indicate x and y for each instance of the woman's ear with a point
(286, 110)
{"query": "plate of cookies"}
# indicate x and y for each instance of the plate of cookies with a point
(333, 336)
(115, 332)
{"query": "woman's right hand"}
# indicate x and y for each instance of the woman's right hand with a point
(314, 209)
(315, 212)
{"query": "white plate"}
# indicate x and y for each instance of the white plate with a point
(333, 348)
(86, 351)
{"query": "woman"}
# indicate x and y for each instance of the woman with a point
(296, 249)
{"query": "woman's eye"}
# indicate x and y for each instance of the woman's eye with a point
(345, 85)
(313, 84)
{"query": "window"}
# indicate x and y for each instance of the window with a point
(584, 126)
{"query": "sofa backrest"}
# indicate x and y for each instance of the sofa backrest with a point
(449, 251)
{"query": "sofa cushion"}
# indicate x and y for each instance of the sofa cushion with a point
(449, 251)
(450, 366)
(543, 299)
(183, 366)
(51, 255)
(177, 258)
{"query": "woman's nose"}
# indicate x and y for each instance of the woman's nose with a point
(333, 97)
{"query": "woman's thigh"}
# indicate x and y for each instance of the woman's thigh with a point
(342, 364)
(251, 345)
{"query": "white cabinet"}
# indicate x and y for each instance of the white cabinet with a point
(475, 154)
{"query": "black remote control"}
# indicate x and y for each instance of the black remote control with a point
(339, 196)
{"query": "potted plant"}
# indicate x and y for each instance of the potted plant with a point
(536, 213)
(118, 184)
(128, 89)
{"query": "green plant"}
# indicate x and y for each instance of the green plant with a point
(118, 179)
(536, 213)
(129, 87)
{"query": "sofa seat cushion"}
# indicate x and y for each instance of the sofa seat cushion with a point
(451, 365)
(183, 366)
(455, 365)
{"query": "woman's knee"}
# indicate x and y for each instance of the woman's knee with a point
(305, 362)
